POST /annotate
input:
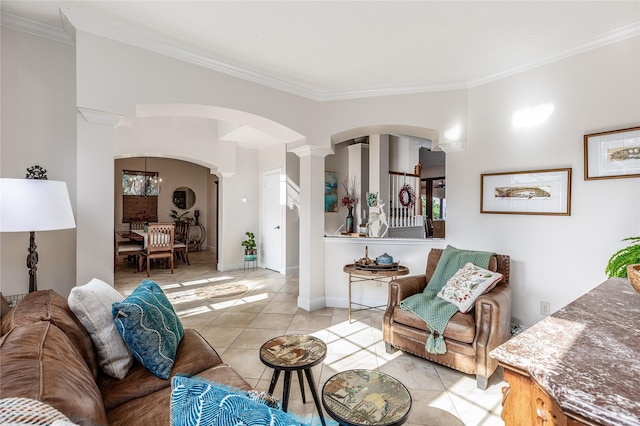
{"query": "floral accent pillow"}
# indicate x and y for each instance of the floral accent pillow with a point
(467, 284)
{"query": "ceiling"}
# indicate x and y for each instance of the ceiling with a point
(329, 50)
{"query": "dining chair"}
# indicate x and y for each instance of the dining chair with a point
(135, 225)
(159, 245)
(124, 247)
(181, 243)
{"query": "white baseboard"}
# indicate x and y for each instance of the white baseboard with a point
(313, 304)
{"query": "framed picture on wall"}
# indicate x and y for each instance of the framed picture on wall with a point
(612, 155)
(330, 192)
(544, 192)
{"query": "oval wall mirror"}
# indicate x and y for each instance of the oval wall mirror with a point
(184, 198)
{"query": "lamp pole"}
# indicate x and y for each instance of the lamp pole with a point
(34, 172)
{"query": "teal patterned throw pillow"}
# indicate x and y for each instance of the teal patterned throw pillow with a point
(150, 327)
(196, 401)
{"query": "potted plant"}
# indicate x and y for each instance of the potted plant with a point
(617, 264)
(249, 246)
(178, 216)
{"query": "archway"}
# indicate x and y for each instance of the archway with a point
(222, 140)
(386, 157)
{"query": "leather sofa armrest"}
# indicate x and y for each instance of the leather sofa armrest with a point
(493, 326)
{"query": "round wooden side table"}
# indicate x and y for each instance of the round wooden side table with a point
(294, 352)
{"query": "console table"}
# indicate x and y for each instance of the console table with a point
(579, 366)
(357, 275)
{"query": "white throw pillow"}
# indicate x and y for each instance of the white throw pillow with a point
(467, 284)
(91, 303)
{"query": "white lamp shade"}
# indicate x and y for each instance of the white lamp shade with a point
(34, 205)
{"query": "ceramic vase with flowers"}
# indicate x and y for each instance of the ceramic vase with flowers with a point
(349, 201)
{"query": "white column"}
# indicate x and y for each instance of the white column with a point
(95, 223)
(311, 294)
(379, 168)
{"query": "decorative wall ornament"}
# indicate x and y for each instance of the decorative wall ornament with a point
(407, 196)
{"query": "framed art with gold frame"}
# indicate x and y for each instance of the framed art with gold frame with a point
(543, 192)
(612, 155)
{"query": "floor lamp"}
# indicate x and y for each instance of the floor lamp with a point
(30, 205)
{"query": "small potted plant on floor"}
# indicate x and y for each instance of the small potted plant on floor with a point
(249, 246)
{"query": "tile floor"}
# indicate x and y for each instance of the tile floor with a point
(238, 311)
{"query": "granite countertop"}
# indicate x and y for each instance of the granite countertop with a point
(586, 355)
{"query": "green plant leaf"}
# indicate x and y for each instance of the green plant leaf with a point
(617, 264)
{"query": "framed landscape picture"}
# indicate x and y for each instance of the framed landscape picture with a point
(544, 192)
(613, 154)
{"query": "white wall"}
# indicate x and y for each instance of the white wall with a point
(237, 217)
(553, 258)
(38, 127)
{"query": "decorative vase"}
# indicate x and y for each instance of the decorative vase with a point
(349, 222)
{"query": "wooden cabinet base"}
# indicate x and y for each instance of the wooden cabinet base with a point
(524, 403)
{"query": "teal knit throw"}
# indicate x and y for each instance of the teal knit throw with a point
(434, 311)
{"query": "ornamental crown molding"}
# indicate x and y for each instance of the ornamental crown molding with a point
(72, 20)
(36, 28)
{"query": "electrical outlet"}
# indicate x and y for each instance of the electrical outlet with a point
(545, 308)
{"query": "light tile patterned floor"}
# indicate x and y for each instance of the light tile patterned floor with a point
(238, 311)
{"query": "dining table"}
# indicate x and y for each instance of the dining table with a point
(141, 236)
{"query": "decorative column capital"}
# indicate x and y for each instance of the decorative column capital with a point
(311, 151)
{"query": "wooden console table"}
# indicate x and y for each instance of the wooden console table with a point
(579, 366)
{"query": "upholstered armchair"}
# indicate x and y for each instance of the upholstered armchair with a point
(469, 337)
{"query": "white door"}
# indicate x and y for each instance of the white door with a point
(273, 235)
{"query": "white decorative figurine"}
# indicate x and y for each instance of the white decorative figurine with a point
(378, 226)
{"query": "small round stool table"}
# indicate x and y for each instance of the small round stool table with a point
(294, 352)
(366, 397)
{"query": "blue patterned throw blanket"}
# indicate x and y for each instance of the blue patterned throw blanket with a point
(434, 311)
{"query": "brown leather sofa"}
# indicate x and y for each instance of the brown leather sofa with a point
(469, 337)
(47, 355)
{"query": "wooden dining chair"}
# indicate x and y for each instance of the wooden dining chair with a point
(181, 244)
(135, 225)
(124, 247)
(159, 245)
